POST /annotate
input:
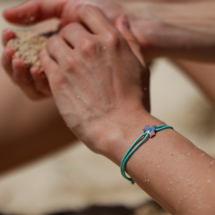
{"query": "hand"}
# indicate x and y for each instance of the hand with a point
(94, 76)
(162, 28)
(32, 82)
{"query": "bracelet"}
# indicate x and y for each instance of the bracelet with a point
(148, 132)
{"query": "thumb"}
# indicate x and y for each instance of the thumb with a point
(33, 11)
(123, 27)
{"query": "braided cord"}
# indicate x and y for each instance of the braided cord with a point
(143, 138)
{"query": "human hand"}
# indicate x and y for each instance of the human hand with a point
(32, 81)
(95, 78)
(162, 28)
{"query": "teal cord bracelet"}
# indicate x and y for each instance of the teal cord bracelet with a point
(147, 132)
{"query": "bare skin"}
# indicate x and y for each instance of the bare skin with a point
(154, 25)
(168, 167)
(28, 130)
(32, 93)
(202, 74)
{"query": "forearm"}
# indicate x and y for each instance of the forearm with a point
(168, 167)
(28, 130)
(182, 30)
(27, 138)
(202, 74)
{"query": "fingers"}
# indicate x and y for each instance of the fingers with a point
(22, 77)
(73, 33)
(34, 11)
(123, 26)
(20, 72)
(93, 18)
(7, 60)
(48, 64)
(7, 35)
(34, 84)
(57, 48)
(40, 81)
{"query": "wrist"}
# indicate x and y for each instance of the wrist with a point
(120, 131)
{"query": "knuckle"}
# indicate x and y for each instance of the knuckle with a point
(67, 28)
(86, 9)
(58, 81)
(113, 39)
(70, 63)
(52, 41)
(88, 46)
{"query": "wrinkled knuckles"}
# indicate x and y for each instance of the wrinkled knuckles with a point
(53, 42)
(88, 47)
(68, 28)
(70, 63)
(113, 40)
(58, 81)
(86, 9)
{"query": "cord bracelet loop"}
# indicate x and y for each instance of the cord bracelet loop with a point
(148, 132)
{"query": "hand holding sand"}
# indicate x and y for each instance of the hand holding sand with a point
(21, 61)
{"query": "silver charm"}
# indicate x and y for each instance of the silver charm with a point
(150, 130)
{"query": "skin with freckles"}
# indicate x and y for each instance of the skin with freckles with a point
(105, 106)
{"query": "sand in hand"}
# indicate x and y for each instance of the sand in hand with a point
(28, 46)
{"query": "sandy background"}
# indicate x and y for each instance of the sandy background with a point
(76, 178)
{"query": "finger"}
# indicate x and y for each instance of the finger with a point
(57, 48)
(22, 77)
(7, 35)
(73, 32)
(40, 81)
(48, 64)
(123, 26)
(93, 18)
(7, 60)
(34, 11)
(21, 74)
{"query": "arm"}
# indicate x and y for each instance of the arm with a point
(202, 74)
(110, 111)
(168, 167)
(183, 30)
(28, 130)
(178, 30)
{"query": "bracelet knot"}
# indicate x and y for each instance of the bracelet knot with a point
(148, 132)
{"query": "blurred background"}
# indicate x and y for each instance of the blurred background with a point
(73, 178)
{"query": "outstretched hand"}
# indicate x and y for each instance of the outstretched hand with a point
(94, 76)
